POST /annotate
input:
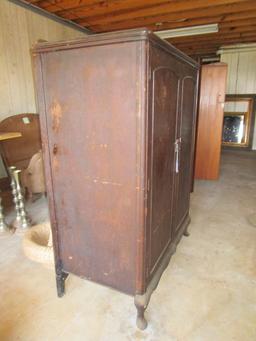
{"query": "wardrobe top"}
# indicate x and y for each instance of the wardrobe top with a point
(112, 38)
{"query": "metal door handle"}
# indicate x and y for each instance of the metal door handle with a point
(177, 154)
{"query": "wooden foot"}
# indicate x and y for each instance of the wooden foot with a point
(186, 233)
(141, 301)
(60, 281)
(141, 322)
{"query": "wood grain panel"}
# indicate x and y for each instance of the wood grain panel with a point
(203, 48)
(54, 6)
(164, 105)
(210, 121)
(233, 16)
(223, 20)
(135, 9)
(119, 22)
(91, 8)
(215, 38)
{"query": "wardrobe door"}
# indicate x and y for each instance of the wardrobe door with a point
(164, 88)
(184, 148)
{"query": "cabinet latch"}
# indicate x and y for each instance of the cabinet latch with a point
(177, 145)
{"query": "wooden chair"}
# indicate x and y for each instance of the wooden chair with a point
(18, 152)
(32, 178)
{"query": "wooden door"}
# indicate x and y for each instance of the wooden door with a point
(210, 121)
(165, 89)
(184, 148)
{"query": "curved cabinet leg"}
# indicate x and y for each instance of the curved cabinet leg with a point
(141, 301)
(60, 280)
(186, 233)
(141, 306)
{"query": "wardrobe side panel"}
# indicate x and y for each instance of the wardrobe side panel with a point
(91, 106)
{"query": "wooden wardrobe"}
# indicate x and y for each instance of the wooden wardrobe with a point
(210, 121)
(117, 117)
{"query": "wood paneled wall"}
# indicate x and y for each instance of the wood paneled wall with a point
(19, 30)
(241, 79)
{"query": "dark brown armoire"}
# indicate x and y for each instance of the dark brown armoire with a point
(117, 117)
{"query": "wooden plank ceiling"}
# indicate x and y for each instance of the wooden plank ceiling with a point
(236, 18)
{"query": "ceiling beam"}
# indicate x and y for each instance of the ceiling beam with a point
(238, 29)
(211, 37)
(199, 49)
(201, 52)
(236, 18)
(57, 5)
(174, 7)
(98, 7)
(124, 10)
(223, 11)
(213, 45)
(239, 23)
(227, 21)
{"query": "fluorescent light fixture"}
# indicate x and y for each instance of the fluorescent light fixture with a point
(235, 48)
(188, 31)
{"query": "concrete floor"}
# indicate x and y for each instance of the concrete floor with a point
(207, 293)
